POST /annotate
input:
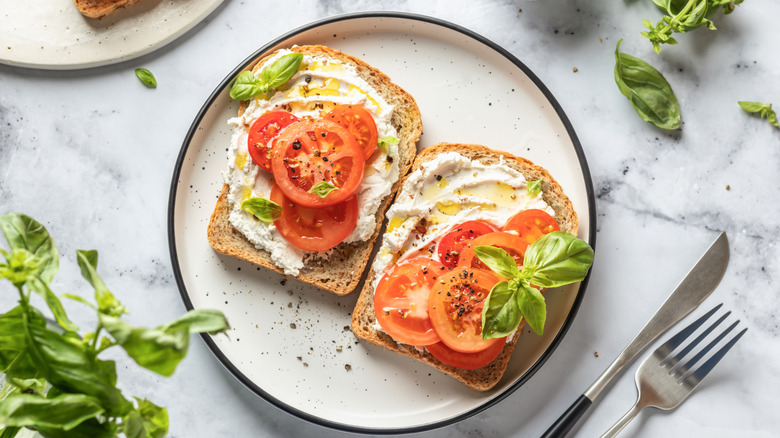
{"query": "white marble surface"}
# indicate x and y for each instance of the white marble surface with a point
(90, 154)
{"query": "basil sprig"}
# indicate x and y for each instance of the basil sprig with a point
(247, 85)
(322, 188)
(684, 16)
(763, 110)
(554, 260)
(146, 77)
(263, 209)
(55, 382)
(647, 90)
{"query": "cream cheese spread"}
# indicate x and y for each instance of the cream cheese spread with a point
(320, 84)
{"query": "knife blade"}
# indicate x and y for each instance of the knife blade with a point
(697, 285)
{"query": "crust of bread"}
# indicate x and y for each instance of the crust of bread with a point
(485, 378)
(101, 8)
(341, 271)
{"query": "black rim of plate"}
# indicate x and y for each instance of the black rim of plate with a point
(405, 16)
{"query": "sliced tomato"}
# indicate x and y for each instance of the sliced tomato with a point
(359, 123)
(263, 131)
(401, 301)
(452, 243)
(532, 224)
(467, 361)
(455, 309)
(311, 151)
(511, 243)
(315, 229)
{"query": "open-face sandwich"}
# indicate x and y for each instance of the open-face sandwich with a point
(472, 237)
(319, 146)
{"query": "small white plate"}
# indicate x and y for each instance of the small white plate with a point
(53, 35)
(291, 343)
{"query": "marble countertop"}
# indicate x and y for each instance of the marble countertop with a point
(90, 154)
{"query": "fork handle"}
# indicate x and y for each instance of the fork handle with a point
(568, 419)
(624, 420)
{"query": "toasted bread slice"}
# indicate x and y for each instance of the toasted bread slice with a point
(481, 379)
(341, 270)
(101, 8)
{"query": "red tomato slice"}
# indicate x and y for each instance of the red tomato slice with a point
(263, 131)
(359, 123)
(401, 301)
(310, 151)
(455, 309)
(467, 361)
(532, 224)
(511, 243)
(315, 229)
(452, 243)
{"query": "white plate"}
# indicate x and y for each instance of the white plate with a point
(52, 34)
(285, 339)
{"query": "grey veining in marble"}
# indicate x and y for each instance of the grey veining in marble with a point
(90, 153)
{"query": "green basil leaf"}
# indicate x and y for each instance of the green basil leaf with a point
(533, 307)
(24, 232)
(9, 431)
(106, 301)
(322, 189)
(199, 321)
(14, 360)
(246, 86)
(557, 259)
(23, 266)
(65, 411)
(154, 349)
(534, 187)
(263, 209)
(764, 110)
(91, 428)
(281, 70)
(500, 314)
(498, 260)
(154, 419)
(384, 143)
(79, 299)
(146, 77)
(69, 367)
(54, 304)
(647, 90)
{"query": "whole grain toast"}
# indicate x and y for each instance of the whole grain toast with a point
(341, 270)
(101, 8)
(481, 379)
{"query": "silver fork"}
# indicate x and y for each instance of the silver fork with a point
(663, 382)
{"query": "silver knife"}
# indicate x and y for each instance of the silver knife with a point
(692, 290)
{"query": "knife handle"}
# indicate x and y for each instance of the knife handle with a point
(568, 419)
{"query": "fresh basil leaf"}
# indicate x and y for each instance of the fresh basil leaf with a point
(91, 428)
(534, 187)
(763, 110)
(498, 260)
(557, 259)
(22, 266)
(14, 360)
(22, 231)
(65, 411)
(69, 367)
(154, 349)
(263, 209)
(322, 188)
(79, 299)
(246, 86)
(9, 431)
(533, 307)
(647, 90)
(107, 303)
(146, 77)
(281, 70)
(54, 304)
(501, 313)
(199, 321)
(154, 419)
(384, 143)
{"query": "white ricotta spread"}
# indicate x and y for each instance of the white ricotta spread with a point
(319, 85)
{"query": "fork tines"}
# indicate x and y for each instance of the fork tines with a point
(683, 371)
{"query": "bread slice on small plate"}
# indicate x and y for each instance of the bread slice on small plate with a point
(339, 271)
(101, 8)
(364, 322)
